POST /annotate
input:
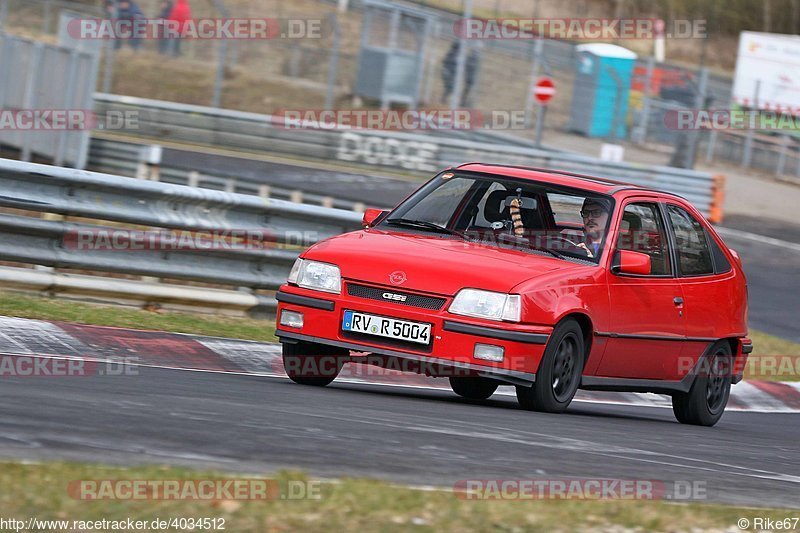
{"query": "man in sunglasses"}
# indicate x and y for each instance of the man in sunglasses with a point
(595, 214)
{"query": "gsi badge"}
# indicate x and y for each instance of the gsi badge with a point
(395, 297)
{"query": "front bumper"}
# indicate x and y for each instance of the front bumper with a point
(453, 338)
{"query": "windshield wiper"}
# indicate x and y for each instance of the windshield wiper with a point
(555, 254)
(427, 225)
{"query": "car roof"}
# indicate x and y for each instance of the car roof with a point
(560, 177)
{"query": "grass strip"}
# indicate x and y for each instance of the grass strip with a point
(42, 491)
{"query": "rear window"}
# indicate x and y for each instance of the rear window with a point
(694, 254)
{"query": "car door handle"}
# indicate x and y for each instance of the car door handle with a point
(678, 300)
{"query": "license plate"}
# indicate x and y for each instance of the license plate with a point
(391, 328)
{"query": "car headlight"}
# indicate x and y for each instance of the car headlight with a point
(316, 275)
(486, 304)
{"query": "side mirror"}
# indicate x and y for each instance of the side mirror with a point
(371, 216)
(630, 262)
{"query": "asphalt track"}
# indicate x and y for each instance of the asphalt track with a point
(243, 423)
(251, 424)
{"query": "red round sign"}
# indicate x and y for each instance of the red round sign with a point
(544, 90)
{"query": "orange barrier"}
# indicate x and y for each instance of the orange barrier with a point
(717, 200)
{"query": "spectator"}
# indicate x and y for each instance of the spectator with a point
(180, 15)
(163, 15)
(128, 10)
(449, 69)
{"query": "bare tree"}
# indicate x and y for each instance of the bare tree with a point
(767, 15)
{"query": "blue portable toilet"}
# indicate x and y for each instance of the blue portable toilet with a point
(602, 85)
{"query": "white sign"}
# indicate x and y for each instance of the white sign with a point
(411, 155)
(774, 61)
(612, 152)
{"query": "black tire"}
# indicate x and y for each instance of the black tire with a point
(313, 364)
(476, 388)
(559, 374)
(705, 402)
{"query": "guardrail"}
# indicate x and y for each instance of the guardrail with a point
(114, 203)
(127, 159)
(411, 152)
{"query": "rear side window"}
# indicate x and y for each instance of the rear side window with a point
(694, 255)
(721, 263)
(642, 230)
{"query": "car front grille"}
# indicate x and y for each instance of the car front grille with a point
(412, 300)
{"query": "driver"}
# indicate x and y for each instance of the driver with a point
(594, 212)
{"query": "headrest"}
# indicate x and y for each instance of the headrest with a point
(633, 220)
(494, 210)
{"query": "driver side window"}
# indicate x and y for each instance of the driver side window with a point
(642, 230)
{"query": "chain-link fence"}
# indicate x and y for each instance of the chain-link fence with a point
(320, 72)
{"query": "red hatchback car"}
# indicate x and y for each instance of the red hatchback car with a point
(544, 280)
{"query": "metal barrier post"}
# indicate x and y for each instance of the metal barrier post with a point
(3, 13)
(747, 155)
(641, 133)
(88, 103)
(712, 144)
(797, 168)
(333, 63)
(461, 63)
(535, 67)
(782, 155)
(48, 16)
(430, 75)
(69, 98)
(111, 47)
(5, 54)
(216, 100)
(700, 102)
(219, 79)
(32, 94)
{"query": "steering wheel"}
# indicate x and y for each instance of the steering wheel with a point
(569, 246)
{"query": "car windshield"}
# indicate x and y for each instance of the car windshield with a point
(505, 212)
